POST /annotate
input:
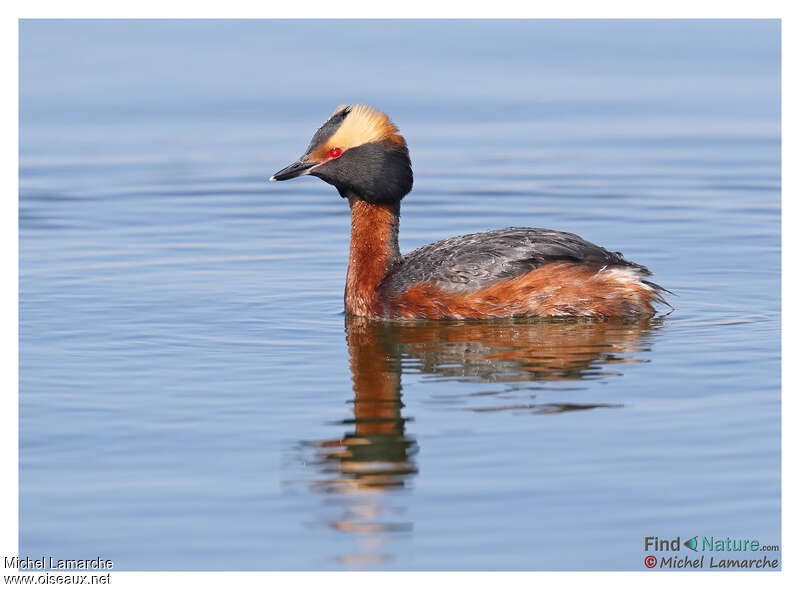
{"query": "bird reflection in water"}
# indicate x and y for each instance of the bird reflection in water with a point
(376, 454)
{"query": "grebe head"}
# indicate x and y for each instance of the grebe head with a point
(359, 151)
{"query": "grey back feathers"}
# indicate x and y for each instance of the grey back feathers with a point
(474, 261)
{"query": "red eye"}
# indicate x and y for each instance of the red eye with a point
(335, 152)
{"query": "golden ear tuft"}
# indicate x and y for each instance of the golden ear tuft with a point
(363, 125)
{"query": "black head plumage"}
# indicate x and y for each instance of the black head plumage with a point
(377, 172)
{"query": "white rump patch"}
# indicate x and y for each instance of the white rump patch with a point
(625, 275)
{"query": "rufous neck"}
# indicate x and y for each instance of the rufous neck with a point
(373, 251)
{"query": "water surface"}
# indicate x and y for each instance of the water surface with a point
(192, 396)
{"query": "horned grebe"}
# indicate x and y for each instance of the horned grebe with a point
(513, 272)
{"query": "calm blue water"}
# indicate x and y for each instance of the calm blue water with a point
(192, 396)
